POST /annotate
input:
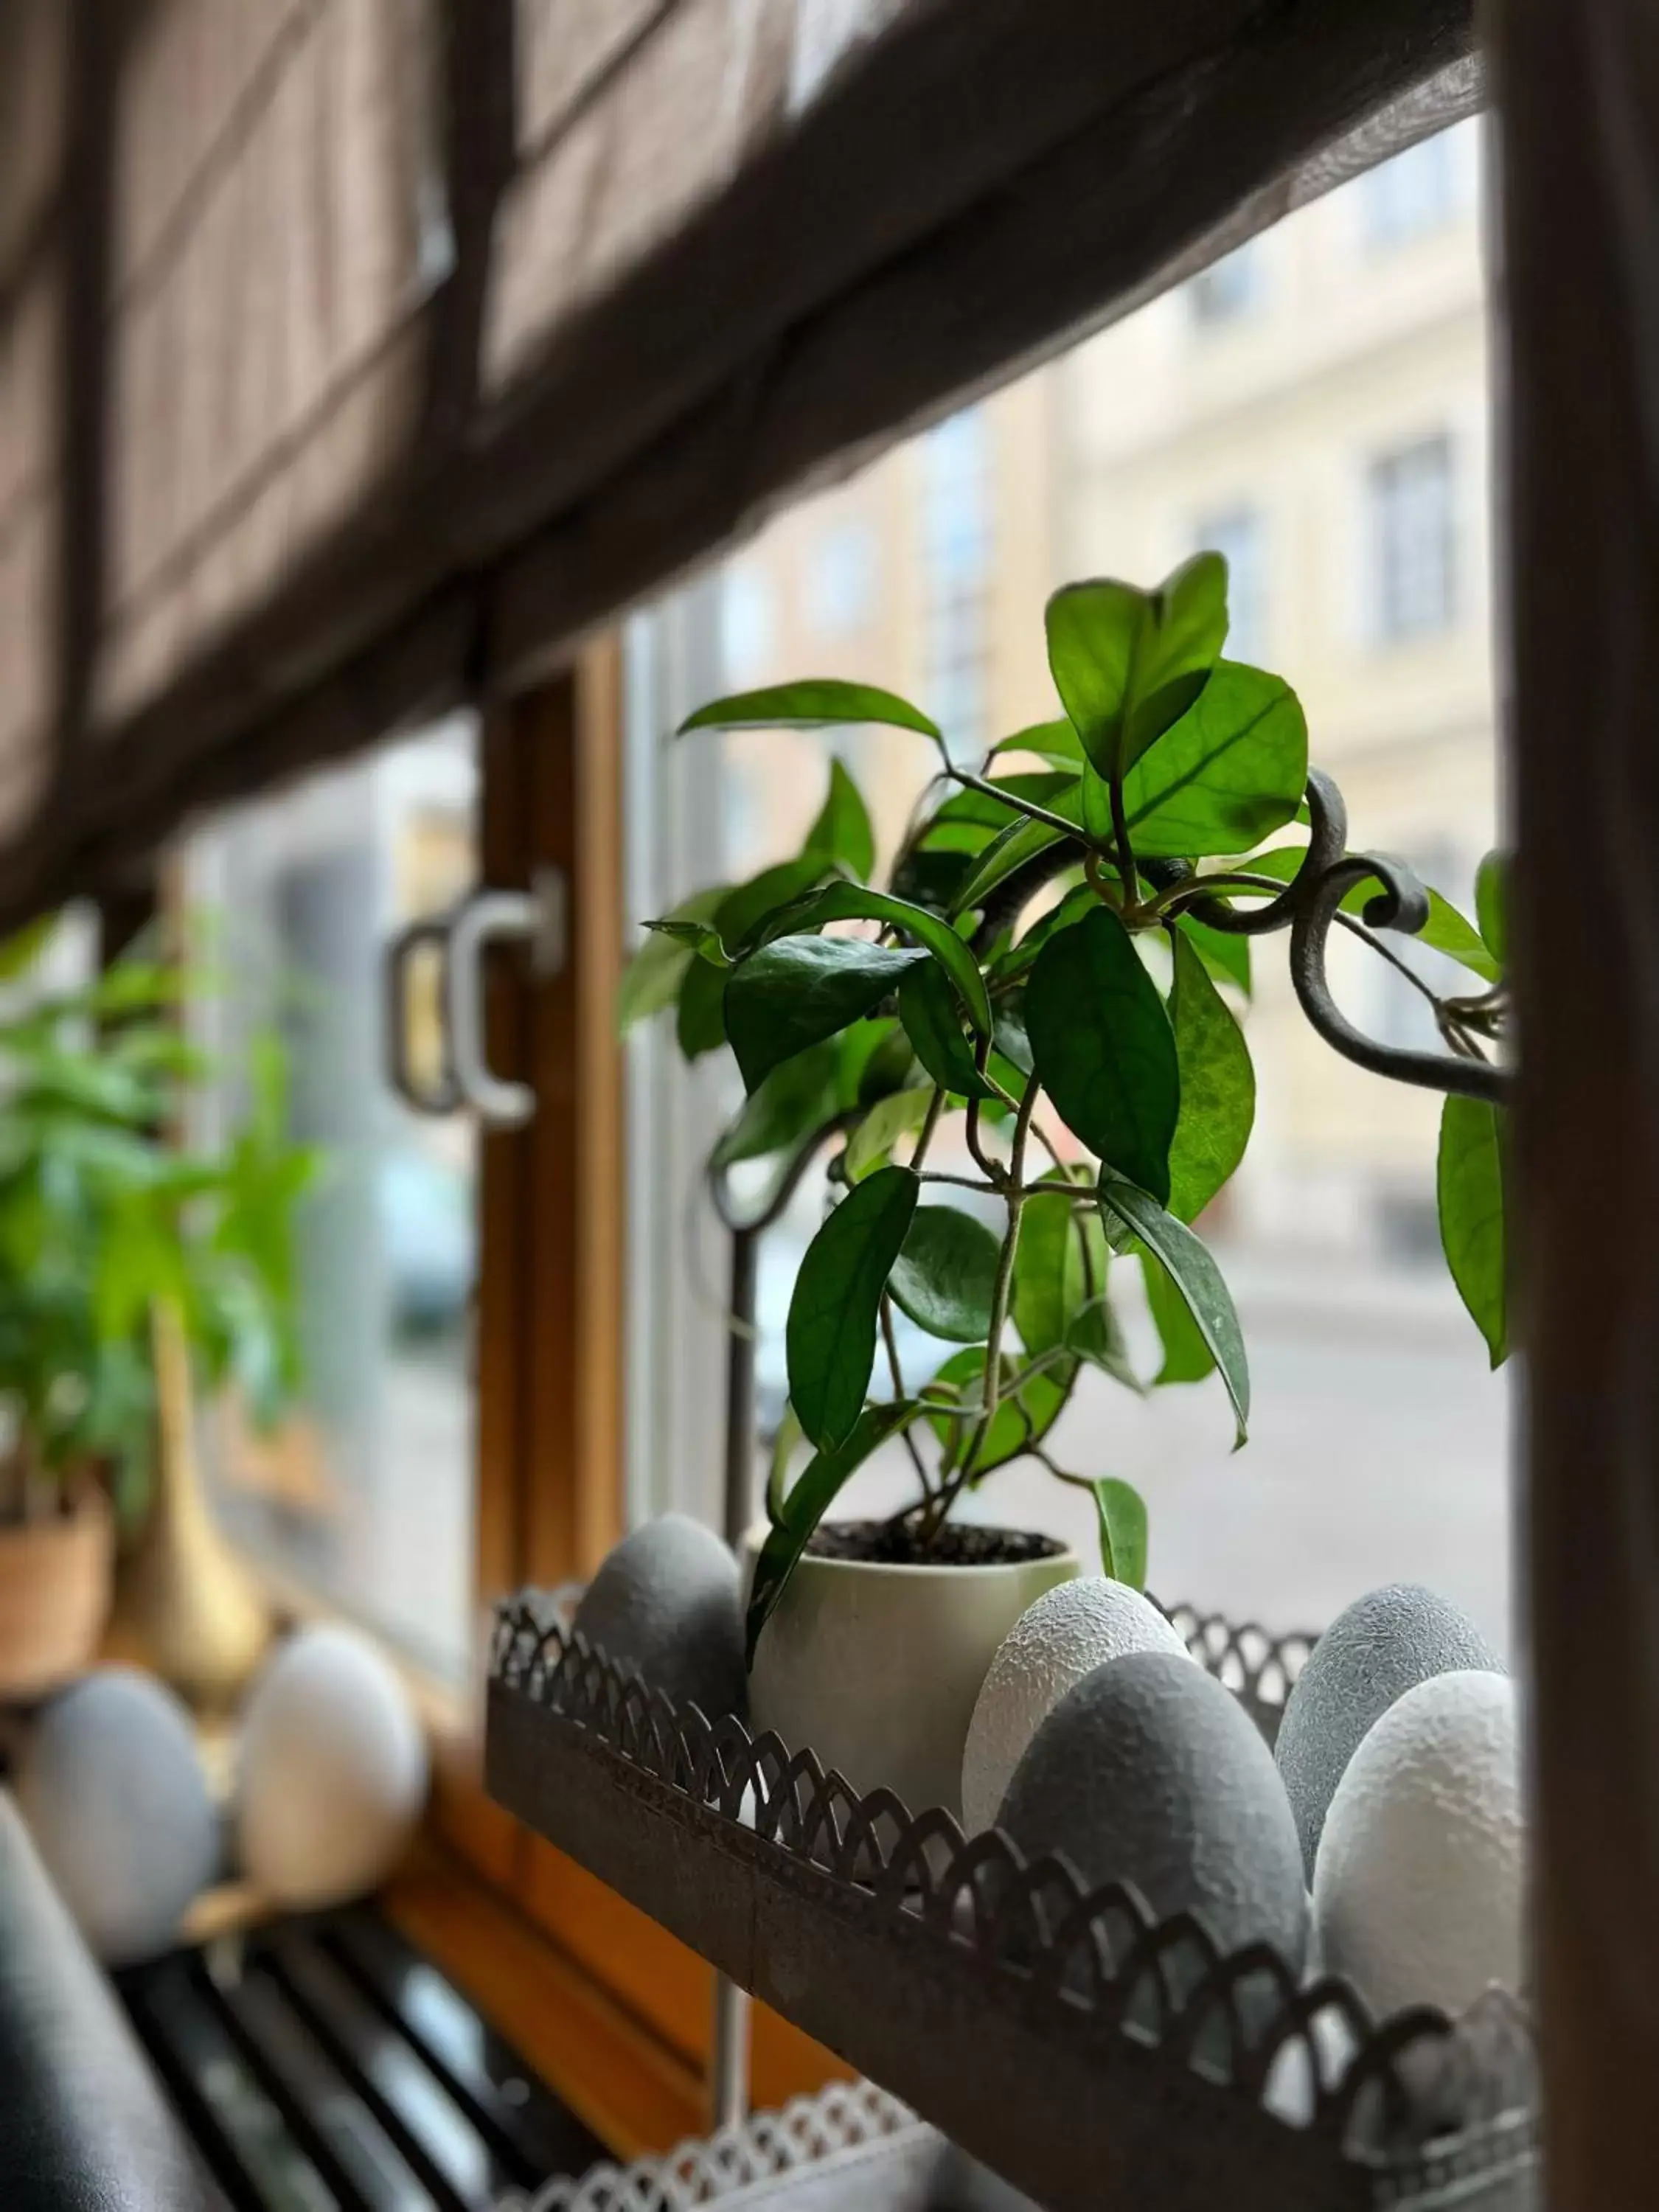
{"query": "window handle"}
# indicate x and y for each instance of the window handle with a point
(443, 1095)
(538, 919)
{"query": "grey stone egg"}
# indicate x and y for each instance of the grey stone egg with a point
(1383, 1644)
(113, 1792)
(668, 1604)
(1149, 1772)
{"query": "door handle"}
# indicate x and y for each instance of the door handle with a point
(535, 918)
(538, 919)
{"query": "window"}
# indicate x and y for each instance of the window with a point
(1413, 539)
(748, 622)
(368, 1493)
(1416, 192)
(1239, 535)
(843, 572)
(956, 555)
(1228, 288)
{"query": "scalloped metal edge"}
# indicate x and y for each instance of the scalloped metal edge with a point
(1446, 2098)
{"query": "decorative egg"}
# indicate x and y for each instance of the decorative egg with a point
(112, 1789)
(333, 1769)
(668, 1604)
(1383, 1644)
(1068, 1632)
(1149, 1771)
(1419, 1886)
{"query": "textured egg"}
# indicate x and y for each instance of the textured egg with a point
(1149, 1771)
(114, 1795)
(333, 1769)
(1066, 1634)
(668, 1603)
(1418, 1888)
(1383, 1644)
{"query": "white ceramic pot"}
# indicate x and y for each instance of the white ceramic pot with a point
(877, 1667)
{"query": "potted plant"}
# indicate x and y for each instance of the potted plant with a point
(1047, 972)
(123, 1255)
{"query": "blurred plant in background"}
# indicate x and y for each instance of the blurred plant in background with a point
(111, 1226)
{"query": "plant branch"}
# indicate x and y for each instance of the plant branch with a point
(1125, 856)
(1026, 807)
(936, 1107)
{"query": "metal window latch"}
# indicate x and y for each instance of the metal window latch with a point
(538, 919)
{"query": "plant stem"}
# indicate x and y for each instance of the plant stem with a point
(1126, 855)
(1072, 830)
(936, 1107)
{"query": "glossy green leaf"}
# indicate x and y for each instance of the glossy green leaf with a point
(741, 912)
(700, 1019)
(1122, 1518)
(1097, 1335)
(799, 990)
(887, 1121)
(1230, 772)
(1053, 1280)
(851, 902)
(1218, 1086)
(1129, 664)
(1104, 1048)
(932, 1022)
(1469, 1184)
(841, 835)
(797, 1097)
(1009, 851)
(1055, 742)
(1018, 1423)
(701, 939)
(1196, 1276)
(1492, 900)
(1187, 1357)
(1445, 931)
(945, 1275)
(652, 977)
(815, 703)
(835, 1310)
(1226, 957)
(867, 1061)
(809, 1499)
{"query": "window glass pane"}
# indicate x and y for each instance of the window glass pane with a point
(1379, 1436)
(1230, 288)
(368, 1493)
(1417, 192)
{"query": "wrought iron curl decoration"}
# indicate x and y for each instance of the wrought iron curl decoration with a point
(1313, 2054)
(1309, 906)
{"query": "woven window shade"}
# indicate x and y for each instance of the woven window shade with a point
(391, 342)
(272, 163)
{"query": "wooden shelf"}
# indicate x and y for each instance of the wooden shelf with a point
(1090, 2056)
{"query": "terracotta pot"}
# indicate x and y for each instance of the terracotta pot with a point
(876, 1667)
(55, 1576)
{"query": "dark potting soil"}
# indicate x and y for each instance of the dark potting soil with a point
(958, 1544)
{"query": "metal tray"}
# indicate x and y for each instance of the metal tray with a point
(1086, 2052)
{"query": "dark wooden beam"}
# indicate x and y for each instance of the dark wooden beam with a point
(1577, 86)
(480, 140)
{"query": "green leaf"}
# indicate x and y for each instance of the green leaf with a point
(1011, 849)
(945, 1275)
(741, 912)
(701, 938)
(799, 990)
(841, 835)
(1187, 1357)
(1226, 957)
(1218, 1086)
(1469, 1183)
(786, 1443)
(700, 1022)
(1051, 1282)
(1196, 1276)
(1445, 931)
(932, 1022)
(888, 1119)
(1492, 904)
(815, 703)
(1017, 1424)
(1095, 1334)
(1230, 772)
(20, 951)
(1010, 964)
(1104, 1048)
(830, 1337)
(851, 902)
(797, 1097)
(1057, 742)
(966, 821)
(1122, 1513)
(808, 1500)
(1129, 664)
(930, 879)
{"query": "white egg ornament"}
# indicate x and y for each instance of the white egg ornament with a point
(1417, 1887)
(1068, 1632)
(333, 1770)
(112, 1789)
